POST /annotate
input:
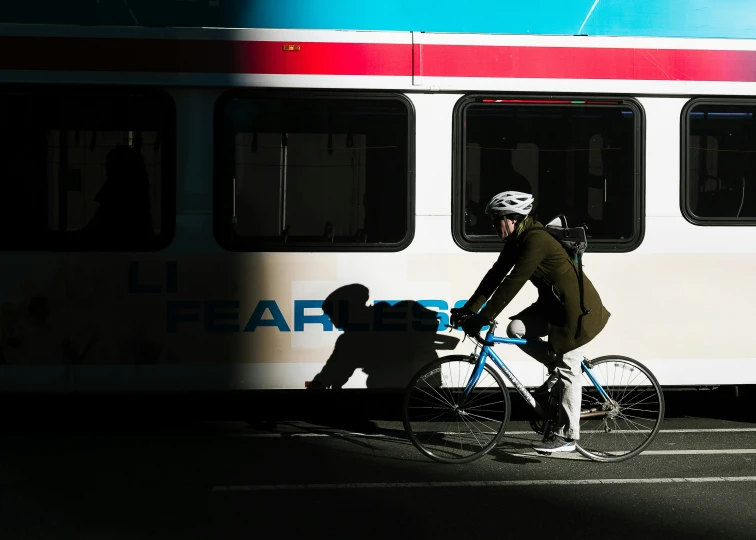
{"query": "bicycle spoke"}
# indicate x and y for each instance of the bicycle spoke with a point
(471, 433)
(436, 403)
(628, 392)
(655, 411)
(439, 395)
(641, 401)
(483, 417)
(630, 421)
(480, 394)
(467, 407)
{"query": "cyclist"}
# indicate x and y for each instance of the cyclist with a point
(533, 254)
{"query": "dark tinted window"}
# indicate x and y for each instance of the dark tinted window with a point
(313, 172)
(719, 184)
(578, 159)
(86, 170)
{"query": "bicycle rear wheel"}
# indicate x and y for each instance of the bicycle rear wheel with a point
(621, 427)
(441, 425)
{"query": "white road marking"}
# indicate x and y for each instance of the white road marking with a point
(709, 430)
(578, 457)
(483, 483)
(382, 435)
(692, 452)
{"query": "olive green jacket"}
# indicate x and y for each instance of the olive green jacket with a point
(542, 260)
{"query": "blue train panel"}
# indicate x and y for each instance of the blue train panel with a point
(668, 18)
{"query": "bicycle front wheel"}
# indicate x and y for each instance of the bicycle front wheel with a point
(620, 427)
(442, 424)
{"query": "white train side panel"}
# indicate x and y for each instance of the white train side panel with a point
(197, 317)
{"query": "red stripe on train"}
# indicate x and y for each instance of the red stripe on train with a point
(385, 59)
(587, 63)
(204, 56)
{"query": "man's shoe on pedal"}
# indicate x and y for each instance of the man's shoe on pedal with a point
(555, 444)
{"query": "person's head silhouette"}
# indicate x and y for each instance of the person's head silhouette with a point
(347, 304)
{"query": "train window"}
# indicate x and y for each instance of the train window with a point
(719, 162)
(84, 169)
(314, 172)
(579, 158)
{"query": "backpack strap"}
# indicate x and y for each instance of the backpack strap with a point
(585, 312)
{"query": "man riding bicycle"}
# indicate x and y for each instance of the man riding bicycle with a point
(531, 253)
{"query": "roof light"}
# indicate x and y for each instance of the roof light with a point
(290, 47)
(550, 101)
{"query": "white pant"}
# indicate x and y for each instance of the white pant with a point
(564, 371)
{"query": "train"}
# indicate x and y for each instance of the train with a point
(220, 209)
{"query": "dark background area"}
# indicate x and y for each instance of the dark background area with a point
(348, 408)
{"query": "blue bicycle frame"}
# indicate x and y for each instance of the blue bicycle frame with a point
(487, 351)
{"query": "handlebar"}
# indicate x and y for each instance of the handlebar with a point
(476, 337)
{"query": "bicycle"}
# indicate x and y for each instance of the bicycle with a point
(621, 412)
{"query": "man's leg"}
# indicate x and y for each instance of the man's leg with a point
(569, 385)
(534, 328)
(569, 389)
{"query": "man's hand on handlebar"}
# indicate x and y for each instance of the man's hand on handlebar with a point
(471, 323)
(459, 316)
(474, 324)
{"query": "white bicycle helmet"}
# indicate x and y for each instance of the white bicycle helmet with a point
(510, 202)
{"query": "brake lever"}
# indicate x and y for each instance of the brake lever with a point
(476, 338)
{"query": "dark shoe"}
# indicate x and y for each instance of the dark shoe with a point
(555, 444)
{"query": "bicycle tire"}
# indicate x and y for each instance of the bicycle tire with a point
(418, 398)
(603, 447)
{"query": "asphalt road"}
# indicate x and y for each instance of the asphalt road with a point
(363, 479)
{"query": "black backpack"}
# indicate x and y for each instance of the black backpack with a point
(574, 242)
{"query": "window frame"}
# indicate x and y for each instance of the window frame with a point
(222, 231)
(685, 173)
(56, 241)
(594, 245)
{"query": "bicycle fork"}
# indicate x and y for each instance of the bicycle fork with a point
(474, 378)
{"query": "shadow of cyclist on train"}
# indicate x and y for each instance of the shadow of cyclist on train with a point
(389, 343)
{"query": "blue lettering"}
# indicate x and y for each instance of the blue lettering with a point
(340, 317)
(222, 316)
(461, 303)
(429, 320)
(300, 319)
(211, 316)
(173, 315)
(134, 285)
(256, 320)
(383, 311)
